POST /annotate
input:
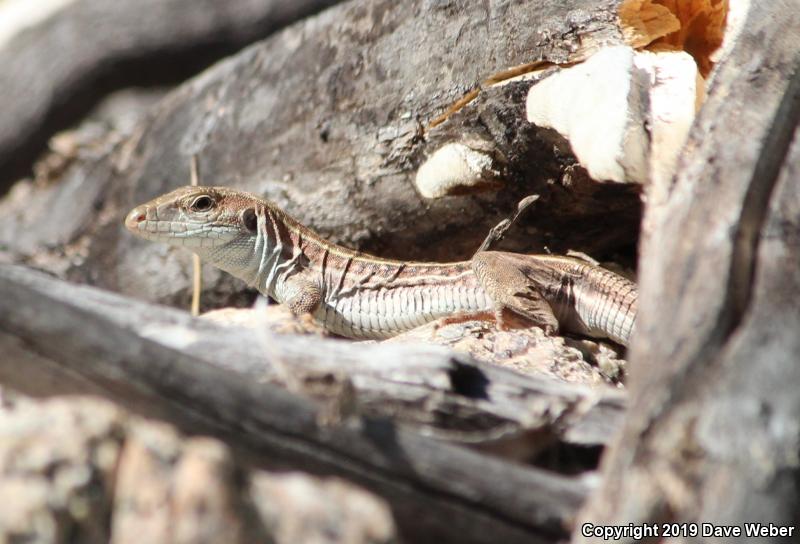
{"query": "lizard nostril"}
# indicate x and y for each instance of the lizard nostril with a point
(136, 216)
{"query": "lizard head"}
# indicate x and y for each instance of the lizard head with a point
(202, 219)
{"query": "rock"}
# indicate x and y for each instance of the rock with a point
(528, 351)
(80, 470)
(57, 470)
(300, 509)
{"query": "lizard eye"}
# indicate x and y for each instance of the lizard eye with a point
(249, 219)
(202, 203)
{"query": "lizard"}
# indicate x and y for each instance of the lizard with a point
(356, 295)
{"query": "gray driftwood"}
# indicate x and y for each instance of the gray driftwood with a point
(164, 363)
(329, 119)
(429, 387)
(56, 69)
(712, 433)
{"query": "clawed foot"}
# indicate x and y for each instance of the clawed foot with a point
(503, 319)
(455, 319)
(507, 320)
(301, 324)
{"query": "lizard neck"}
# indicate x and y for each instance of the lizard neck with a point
(264, 258)
(279, 247)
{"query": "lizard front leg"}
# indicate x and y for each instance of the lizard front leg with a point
(512, 291)
(302, 295)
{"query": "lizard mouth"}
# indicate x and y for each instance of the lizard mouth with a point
(143, 221)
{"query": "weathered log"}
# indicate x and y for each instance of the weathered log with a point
(328, 118)
(57, 68)
(140, 360)
(444, 393)
(712, 434)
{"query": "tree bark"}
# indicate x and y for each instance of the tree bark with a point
(712, 434)
(53, 78)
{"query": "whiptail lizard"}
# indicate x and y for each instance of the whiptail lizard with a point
(360, 296)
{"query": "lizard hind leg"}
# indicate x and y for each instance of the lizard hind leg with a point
(514, 296)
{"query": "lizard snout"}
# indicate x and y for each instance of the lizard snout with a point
(136, 216)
